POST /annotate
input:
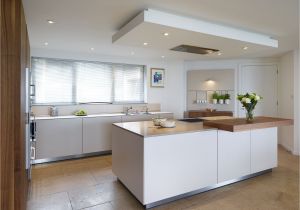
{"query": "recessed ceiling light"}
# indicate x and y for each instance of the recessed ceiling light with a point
(219, 53)
(166, 34)
(145, 44)
(92, 48)
(46, 43)
(245, 48)
(132, 53)
(50, 21)
(162, 56)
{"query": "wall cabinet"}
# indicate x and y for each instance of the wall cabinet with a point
(233, 155)
(58, 137)
(97, 133)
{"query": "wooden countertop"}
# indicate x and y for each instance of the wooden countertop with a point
(147, 129)
(240, 124)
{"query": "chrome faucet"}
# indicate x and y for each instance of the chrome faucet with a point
(146, 110)
(127, 110)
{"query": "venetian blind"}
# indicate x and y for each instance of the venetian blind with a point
(67, 81)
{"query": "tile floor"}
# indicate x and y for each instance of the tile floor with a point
(90, 184)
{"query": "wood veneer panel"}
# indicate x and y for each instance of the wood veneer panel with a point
(13, 181)
(240, 124)
(203, 113)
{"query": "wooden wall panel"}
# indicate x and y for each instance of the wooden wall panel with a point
(13, 61)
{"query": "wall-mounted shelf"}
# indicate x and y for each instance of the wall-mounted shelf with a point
(203, 96)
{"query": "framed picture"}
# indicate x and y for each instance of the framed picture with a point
(157, 77)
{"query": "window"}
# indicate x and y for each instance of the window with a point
(68, 81)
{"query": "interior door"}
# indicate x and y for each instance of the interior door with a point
(261, 79)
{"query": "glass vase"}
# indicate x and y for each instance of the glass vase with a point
(249, 115)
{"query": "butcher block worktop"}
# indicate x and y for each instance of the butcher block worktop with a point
(240, 124)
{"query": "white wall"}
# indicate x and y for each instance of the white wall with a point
(171, 97)
(221, 80)
(296, 76)
(286, 99)
(235, 64)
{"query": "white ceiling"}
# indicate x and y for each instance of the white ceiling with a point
(82, 24)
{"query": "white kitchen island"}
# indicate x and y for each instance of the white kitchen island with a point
(158, 165)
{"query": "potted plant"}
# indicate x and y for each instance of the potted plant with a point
(227, 98)
(249, 102)
(215, 97)
(221, 99)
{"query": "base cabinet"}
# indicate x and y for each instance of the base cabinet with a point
(263, 149)
(97, 133)
(191, 161)
(233, 155)
(58, 137)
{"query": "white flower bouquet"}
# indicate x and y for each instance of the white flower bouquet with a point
(249, 101)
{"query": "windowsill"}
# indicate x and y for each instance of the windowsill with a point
(92, 103)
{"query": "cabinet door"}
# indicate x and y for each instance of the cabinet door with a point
(58, 137)
(263, 149)
(97, 133)
(233, 155)
(177, 164)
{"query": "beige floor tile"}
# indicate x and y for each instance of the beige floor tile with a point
(126, 204)
(104, 206)
(82, 198)
(58, 201)
(90, 184)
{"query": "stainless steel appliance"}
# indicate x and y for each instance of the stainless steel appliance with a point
(30, 124)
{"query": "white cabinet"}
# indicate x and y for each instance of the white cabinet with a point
(97, 133)
(180, 163)
(233, 155)
(58, 137)
(263, 149)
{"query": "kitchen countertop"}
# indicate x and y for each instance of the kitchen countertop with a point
(47, 117)
(240, 124)
(147, 129)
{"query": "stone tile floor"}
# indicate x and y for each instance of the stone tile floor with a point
(90, 184)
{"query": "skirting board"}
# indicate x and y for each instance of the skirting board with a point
(47, 160)
(222, 184)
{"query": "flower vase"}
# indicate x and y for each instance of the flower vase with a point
(249, 116)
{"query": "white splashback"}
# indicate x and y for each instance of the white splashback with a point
(41, 110)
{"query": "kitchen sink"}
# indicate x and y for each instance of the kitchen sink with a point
(191, 120)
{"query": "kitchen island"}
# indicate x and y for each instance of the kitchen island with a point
(158, 165)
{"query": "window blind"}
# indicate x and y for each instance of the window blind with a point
(68, 81)
(53, 80)
(93, 82)
(129, 83)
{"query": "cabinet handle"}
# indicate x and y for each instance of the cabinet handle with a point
(32, 157)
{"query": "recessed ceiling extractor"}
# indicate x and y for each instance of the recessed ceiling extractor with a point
(194, 49)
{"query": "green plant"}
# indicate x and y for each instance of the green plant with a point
(227, 96)
(215, 95)
(249, 101)
(221, 97)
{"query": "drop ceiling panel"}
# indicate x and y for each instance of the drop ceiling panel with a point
(153, 34)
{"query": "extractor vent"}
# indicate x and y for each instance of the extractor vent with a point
(194, 49)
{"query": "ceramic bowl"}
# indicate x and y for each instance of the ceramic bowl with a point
(157, 121)
(168, 124)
